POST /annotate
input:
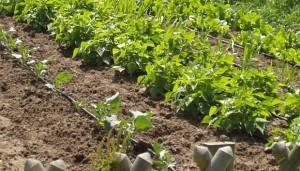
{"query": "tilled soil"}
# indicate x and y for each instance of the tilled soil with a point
(36, 123)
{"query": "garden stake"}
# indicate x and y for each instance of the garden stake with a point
(289, 160)
(33, 165)
(214, 146)
(123, 162)
(57, 165)
(143, 162)
(202, 157)
(222, 160)
(215, 156)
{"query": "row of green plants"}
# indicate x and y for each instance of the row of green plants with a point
(151, 39)
(238, 24)
(107, 113)
(284, 13)
(241, 25)
(215, 17)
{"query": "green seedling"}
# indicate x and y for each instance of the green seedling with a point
(24, 52)
(62, 78)
(162, 158)
(19, 99)
(40, 68)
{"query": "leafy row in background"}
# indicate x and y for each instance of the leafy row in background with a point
(8, 7)
(284, 13)
(150, 38)
(75, 20)
(218, 17)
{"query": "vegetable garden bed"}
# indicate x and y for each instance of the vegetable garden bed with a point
(61, 121)
(174, 50)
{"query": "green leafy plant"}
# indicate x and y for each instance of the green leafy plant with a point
(98, 50)
(290, 107)
(139, 122)
(108, 115)
(36, 13)
(40, 68)
(8, 6)
(292, 133)
(162, 158)
(134, 47)
(62, 78)
(161, 75)
(3, 38)
(24, 52)
(71, 30)
(289, 135)
(107, 111)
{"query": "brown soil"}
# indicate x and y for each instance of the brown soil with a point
(36, 123)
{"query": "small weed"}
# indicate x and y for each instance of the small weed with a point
(19, 99)
(40, 68)
(77, 104)
(109, 146)
(62, 78)
(162, 158)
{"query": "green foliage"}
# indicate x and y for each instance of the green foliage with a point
(248, 21)
(99, 49)
(141, 121)
(279, 13)
(290, 107)
(135, 45)
(229, 98)
(161, 75)
(3, 38)
(36, 13)
(290, 135)
(40, 68)
(107, 113)
(71, 30)
(162, 158)
(62, 78)
(8, 6)
(24, 52)
(293, 132)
